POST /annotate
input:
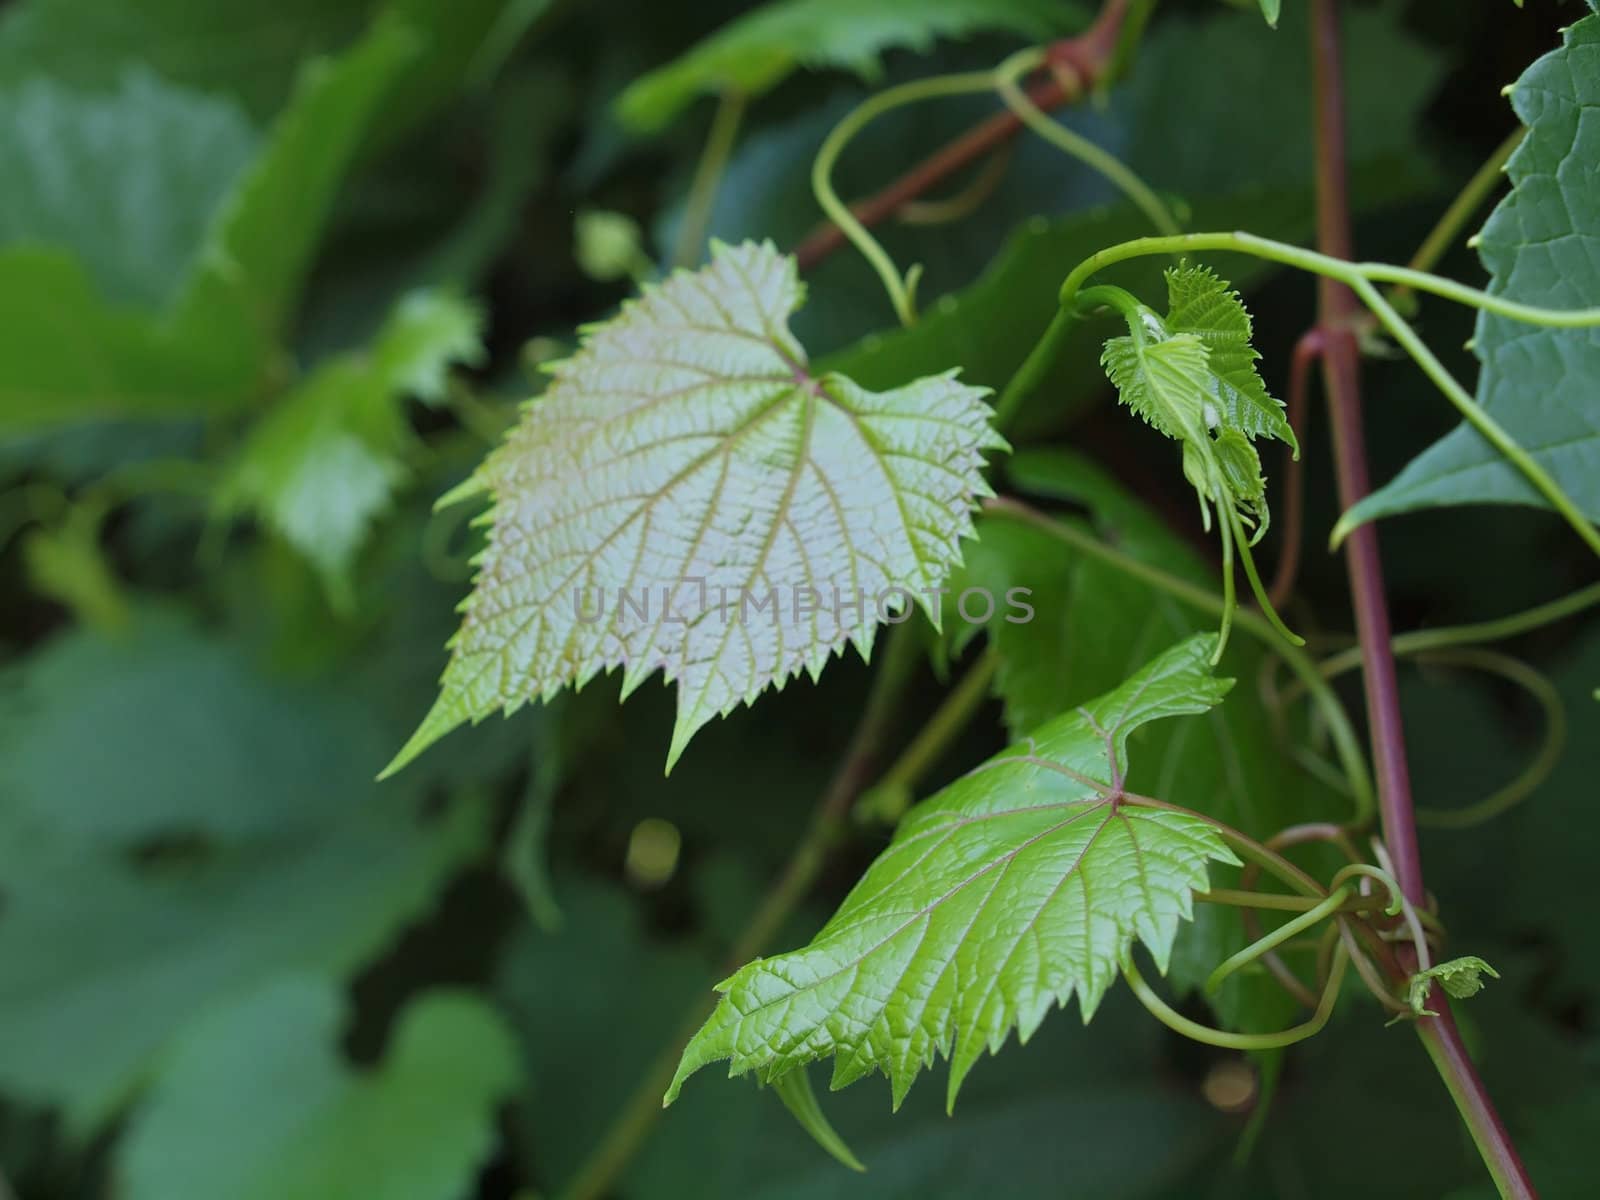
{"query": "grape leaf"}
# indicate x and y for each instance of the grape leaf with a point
(1461, 978)
(246, 49)
(685, 458)
(116, 739)
(109, 959)
(758, 51)
(916, 961)
(218, 345)
(594, 1001)
(1271, 10)
(1093, 625)
(327, 460)
(1192, 376)
(127, 179)
(256, 1103)
(1202, 305)
(427, 332)
(1540, 247)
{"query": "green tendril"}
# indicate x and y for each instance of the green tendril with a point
(1178, 1023)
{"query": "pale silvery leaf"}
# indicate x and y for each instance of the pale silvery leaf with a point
(688, 498)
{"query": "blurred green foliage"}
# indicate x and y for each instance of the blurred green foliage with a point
(275, 276)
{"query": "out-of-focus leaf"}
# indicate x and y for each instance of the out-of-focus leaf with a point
(127, 180)
(327, 460)
(427, 333)
(239, 47)
(598, 1000)
(260, 250)
(256, 1103)
(322, 466)
(426, 219)
(999, 898)
(758, 51)
(584, 971)
(1541, 846)
(253, 51)
(66, 562)
(1539, 248)
(465, 41)
(686, 456)
(107, 960)
(67, 353)
(162, 731)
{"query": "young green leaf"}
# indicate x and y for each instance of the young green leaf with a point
(687, 497)
(1020, 884)
(758, 51)
(256, 1102)
(1461, 978)
(1192, 376)
(1199, 303)
(1538, 246)
(1271, 10)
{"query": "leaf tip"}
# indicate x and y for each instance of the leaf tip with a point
(441, 719)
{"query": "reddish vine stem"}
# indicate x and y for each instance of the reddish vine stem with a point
(1074, 65)
(1341, 379)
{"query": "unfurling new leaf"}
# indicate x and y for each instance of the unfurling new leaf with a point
(688, 497)
(1461, 978)
(1020, 884)
(1192, 375)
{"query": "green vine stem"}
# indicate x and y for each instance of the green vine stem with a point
(1002, 79)
(1178, 1023)
(1398, 904)
(1504, 799)
(1510, 669)
(963, 203)
(1360, 278)
(1096, 158)
(1346, 743)
(708, 174)
(888, 799)
(1309, 919)
(1467, 201)
(638, 1115)
(901, 289)
(1241, 898)
(1496, 630)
